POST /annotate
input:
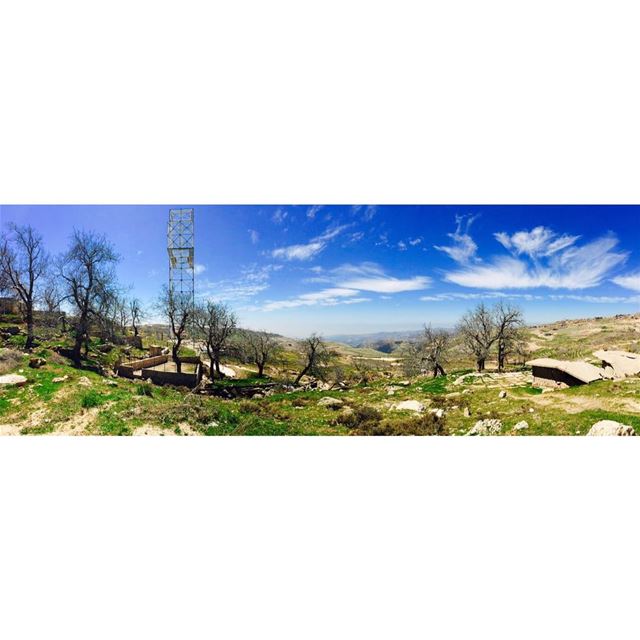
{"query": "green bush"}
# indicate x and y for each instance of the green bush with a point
(91, 399)
(361, 420)
(145, 390)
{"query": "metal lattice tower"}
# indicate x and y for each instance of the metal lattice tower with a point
(180, 244)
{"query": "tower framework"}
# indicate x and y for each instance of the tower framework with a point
(181, 245)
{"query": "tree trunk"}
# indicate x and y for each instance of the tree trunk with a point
(480, 365)
(175, 351)
(260, 369)
(212, 365)
(217, 360)
(29, 319)
(301, 375)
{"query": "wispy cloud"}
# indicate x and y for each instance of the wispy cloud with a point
(254, 236)
(199, 269)
(464, 249)
(279, 215)
(312, 211)
(325, 298)
(630, 281)
(251, 281)
(539, 258)
(448, 297)
(369, 276)
(539, 242)
(310, 249)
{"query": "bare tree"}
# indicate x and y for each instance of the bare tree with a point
(478, 331)
(179, 310)
(430, 353)
(88, 275)
(216, 324)
(23, 262)
(315, 357)
(136, 313)
(509, 322)
(123, 317)
(436, 345)
(260, 348)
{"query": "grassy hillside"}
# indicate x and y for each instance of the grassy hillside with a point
(83, 402)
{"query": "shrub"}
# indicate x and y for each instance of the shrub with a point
(361, 420)
(367, 421)
(145, 390)
(425, 425)
(91, 399)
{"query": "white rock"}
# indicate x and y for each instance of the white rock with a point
(84, 382)
(330, 403)
(62, 379)
(409, 405)
(611, 428)
(467, 412)
(489, 427)
(438, 413)
(12, 380)
(523, 424)
(502, 395)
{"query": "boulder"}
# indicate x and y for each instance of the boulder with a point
(36, 363)
(611, 428)
(62, 379)
(12, 380)
(488, 427)
(438, 413)
(502, 395)
(467, 412)
(523, 424)
(84, 382)
(330, 403)
(409, 405)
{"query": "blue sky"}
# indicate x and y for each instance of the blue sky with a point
(363, 269)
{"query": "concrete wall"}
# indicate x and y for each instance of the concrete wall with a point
(553, 378)
(189, 380)
(127, 370)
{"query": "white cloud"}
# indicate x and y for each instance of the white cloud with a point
(464, 249)
(280, 215)
(388, 284)
(368, 276)
(402, 245)
(251, 281)
(447, 297)
(415, 241)
(311, 249)
(254, 236)
(325, 298)
(630, 281)
(299, 251)
(312, 211)
(540, 241)
(547, 260)
(199, 269)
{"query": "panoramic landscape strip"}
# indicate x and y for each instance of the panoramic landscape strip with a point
(319, 320)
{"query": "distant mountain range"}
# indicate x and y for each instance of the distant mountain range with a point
(385, 341)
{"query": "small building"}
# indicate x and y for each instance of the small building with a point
(560, 374)
(619, 364)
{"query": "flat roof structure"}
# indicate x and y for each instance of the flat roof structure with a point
(582, 371)
(622, 363)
